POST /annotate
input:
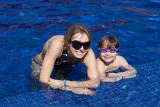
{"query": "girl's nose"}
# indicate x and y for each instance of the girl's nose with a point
(107, 53)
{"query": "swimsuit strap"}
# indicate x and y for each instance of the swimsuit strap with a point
(63, 58)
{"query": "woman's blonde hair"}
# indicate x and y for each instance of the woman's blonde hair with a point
(76, 28)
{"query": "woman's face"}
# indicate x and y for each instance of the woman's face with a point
(78, 46)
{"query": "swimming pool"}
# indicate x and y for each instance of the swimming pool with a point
(26, 25)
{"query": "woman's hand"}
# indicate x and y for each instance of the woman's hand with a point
(59, 84)
(55, 84)
(84, 91)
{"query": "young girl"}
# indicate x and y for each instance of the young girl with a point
(109, 61)
(62, 52)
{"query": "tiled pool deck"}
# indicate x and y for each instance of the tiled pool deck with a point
(142, 91)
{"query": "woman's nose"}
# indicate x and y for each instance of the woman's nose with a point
(82, 48)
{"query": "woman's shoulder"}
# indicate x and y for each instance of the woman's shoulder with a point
(90, 56)
(99, 60)
(55, 42)
(90, 53)
(57, 38)
(56, 45)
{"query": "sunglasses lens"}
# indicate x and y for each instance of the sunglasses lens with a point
(113, 50)
(77, 45)
(86, 45)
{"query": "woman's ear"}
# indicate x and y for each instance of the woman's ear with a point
(69, 44)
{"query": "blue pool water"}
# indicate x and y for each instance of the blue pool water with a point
(26, 25)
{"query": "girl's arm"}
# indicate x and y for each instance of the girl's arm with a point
(129, 73)
(92, 73)
(102, 74)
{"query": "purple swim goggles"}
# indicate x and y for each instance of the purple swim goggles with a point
(103, 50)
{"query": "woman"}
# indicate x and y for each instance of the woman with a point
(61, 52)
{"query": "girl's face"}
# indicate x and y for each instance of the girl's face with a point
(79, 45)
(108, 57)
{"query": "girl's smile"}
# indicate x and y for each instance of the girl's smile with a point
(108, 56)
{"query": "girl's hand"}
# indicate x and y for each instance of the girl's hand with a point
(112, 75)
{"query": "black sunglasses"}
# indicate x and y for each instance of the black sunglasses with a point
(77, 45)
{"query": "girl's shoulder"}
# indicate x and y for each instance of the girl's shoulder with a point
(121, 60)
(120, 57)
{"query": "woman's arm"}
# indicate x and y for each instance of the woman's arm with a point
(92, 73)
(55, 49)
(75, 90)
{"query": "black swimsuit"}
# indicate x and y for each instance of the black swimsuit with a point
(61, 60)
(62, 67)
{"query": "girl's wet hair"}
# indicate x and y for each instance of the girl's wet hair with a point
(109, 41)
(76, 28)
